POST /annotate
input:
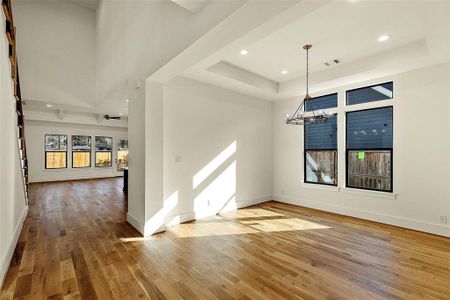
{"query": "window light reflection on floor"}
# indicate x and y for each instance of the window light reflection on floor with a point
(239, 225)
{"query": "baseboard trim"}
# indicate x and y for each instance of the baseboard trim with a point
(176, 219)
(190, 216)
(367, 215)
(253, 201)
(12, 246)
(135, 223)
(72, 179)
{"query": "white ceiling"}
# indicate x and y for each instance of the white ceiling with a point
(194, 6)
(274, 32)
(342, 29)
(89, 4)
(347, 30)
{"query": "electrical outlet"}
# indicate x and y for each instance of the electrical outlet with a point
(443, 219)
(177, 158)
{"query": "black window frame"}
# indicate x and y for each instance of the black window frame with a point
(369, 149)
(331, 149)
(53, 151)
(82, 151)
(104, 151)
(304, 168)
(307, 102)
(366, 87)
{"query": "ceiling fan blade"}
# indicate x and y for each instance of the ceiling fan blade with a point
(108, 117)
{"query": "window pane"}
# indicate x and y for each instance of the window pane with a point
(321, 136)
(103, 159)
(56, 160)
(81, 159)
(371, 93)
(323, 102)
(321, 167)
(55, 142)
(122, 154)
(370, 169)
(122, 144)
(103, 143)
(122, 159)
(81, 143)
(370, 129)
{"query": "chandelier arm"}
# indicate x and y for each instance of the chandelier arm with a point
(317, 115)
(315, 107)
(298, 108)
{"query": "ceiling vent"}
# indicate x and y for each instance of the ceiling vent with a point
(332, 62)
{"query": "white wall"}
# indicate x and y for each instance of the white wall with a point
(12, 198)
(421, 162)
(56, 47)
(35, 132)
(217, 147)
(132, 43)
(216, 150)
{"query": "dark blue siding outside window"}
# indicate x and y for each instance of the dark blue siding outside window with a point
(321, 136)
(370, 94)
(322, 102)
(320, 157)
(369, 149)
(370, 129)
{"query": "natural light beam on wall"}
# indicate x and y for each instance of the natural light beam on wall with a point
(207, 170)
(219, 195)
(158, 219)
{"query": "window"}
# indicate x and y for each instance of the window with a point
(122, 154)
(321, 152)
(103, 151)
(371, 93)
(323, 102)
(81, 151)
(369, 149)
(55, 151)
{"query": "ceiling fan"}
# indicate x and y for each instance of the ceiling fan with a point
(108, 117)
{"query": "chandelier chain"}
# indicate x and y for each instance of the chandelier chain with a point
(317, 115)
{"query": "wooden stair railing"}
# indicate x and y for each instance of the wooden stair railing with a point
(10, 32)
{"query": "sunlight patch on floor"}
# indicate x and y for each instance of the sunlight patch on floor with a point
(250, 213)
(210, 229)
(283, 225)
(218, 227)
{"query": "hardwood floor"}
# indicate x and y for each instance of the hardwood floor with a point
(75, 244)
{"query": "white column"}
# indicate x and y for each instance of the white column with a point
(154, 158)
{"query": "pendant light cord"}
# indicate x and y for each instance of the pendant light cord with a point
(307, 72)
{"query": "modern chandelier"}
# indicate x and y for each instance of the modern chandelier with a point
(316, 115)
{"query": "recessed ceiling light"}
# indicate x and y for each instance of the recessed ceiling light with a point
(244, 52)
(284, 72)
(49, 105)
(126, 100)
(120, 114)
(383, 38)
